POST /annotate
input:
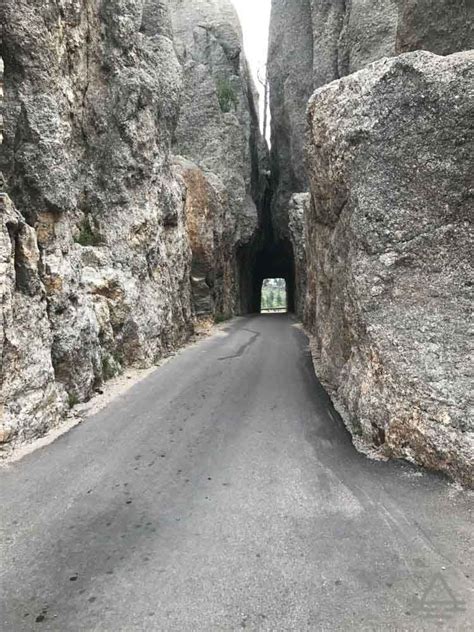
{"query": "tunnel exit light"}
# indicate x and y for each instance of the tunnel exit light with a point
(274, 296)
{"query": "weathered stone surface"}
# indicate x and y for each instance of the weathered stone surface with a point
(297, 211)
(442, 27)
(313, 42)
(30, 398)
(389, 251)
(218, 131)
(92, 97)
(114, 237)
(290, 73)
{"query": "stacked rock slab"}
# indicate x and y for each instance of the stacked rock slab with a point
(389, 250)
(220, 149)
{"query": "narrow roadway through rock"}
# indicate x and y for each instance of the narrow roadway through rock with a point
(223, 493)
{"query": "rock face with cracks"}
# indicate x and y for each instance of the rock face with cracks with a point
(389, 255)
(222, 153)
(92, 95)
(31, 397)
(313, 42)
(102, 229)
(297, 213)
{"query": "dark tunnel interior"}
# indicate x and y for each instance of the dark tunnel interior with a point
(267, 259)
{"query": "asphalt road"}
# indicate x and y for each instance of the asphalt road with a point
(223, 493)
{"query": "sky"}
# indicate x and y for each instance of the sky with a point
(255, 19)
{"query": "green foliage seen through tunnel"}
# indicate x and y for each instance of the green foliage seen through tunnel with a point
(274, 297)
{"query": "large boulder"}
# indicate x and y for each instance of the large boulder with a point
(389, 250)
(313, 42)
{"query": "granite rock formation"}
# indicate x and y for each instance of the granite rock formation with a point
(298, 209)
(105, 233)
(31, 398)
(91, 101)
(221, 153)
(313, 42)
(389, 250)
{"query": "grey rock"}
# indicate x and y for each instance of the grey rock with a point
(313, 42)
(442, 27)
(220, 149)
(290, 73)
(389, 255)
(88, 127)
(297, 212)
(117, 245)
(30, 399)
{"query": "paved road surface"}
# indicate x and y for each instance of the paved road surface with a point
(223, 493)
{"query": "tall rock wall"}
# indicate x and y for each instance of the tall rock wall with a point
(389, 249)
(219, 148)
(101, 226)
(363, 265)
(290, 74)
(313, 42)
(98, 244)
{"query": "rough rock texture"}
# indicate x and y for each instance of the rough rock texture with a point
(31, 398)
(96, 250)
(92, 98)
(222, 151)
(313, 42)
(389, 250)
(290, 73)
(297, 212)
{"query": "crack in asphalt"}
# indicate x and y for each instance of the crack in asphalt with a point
(244, 347)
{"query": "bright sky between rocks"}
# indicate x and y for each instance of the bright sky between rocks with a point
(255, 19)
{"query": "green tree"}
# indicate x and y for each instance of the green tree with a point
(226, 95)
(271, 300)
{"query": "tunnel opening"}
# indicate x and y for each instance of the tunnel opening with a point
(273, 297)
(266, 259)
(270, 254)
(274, 261)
